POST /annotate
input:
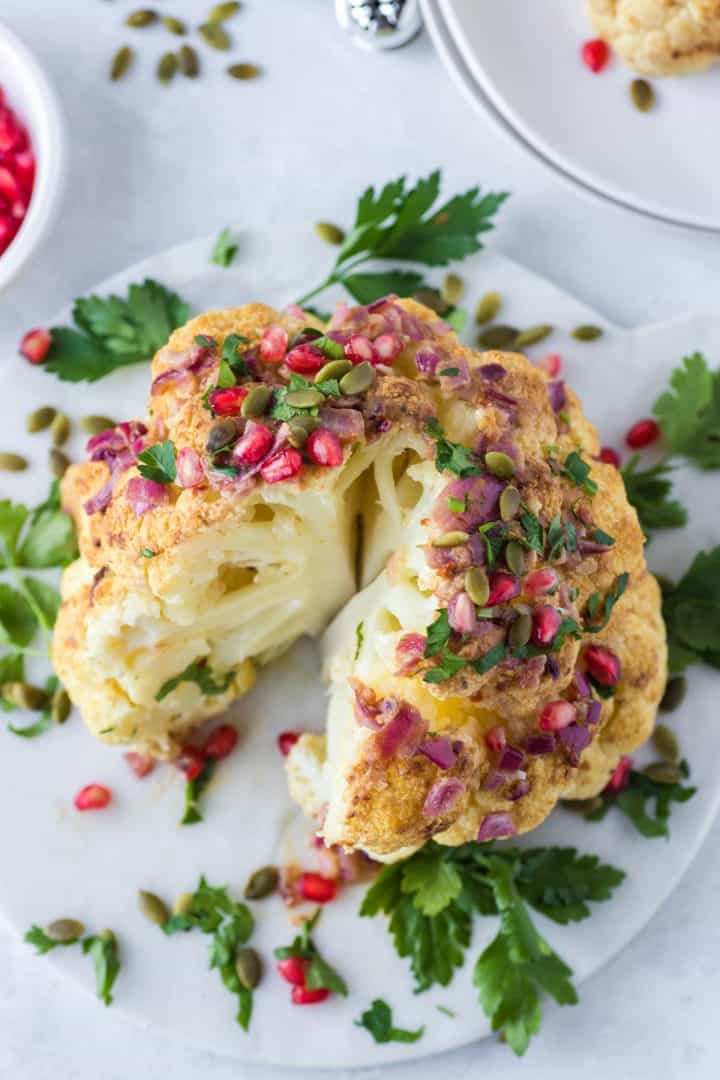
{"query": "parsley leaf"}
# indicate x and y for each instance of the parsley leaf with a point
(611, 598)
(578, 470)
(491, 659)
(534, 534)
(48, 539)
(365, 288)
(199, 673)
(451, 456)
(648, 490)
(447, 665)
(104, 951)
(379, 1022)
(158, 462)
(194, 790)
(319, 975)
(649, 820)
(225, 248)
(359, 639)
(691, 610)
(43, 944)
(689, 413)
(438, 634)
(559, 882)
(112, 332)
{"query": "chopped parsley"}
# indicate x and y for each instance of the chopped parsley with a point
(103, 949)
(225, 248)
(378, 1020)
(578, 471)
(199, 673)
(451, 456)
(194, 790)
(533, 532)
(689, 412)
(611, 598)
(319, 975)
(646, 802)
(649, 491)
(158, 462)
(691, 610)
(359, 638)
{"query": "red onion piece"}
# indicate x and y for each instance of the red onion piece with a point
(593, 715)
(581, 684)
(575, 737)
(403, 734)
(492, 372)
(453, 384)
(493, 780)
(427, 360)
(145, 495)
(532, 672)
(519, 790)
(511, 759)
(440, 751)
(190, 472)
(461, 614)
(479, 493)
(540, 744)
(409, 651)
(443, 796)
(101, 499)
(347, 424)
(367, 708)
(496, 827)
(556, 394)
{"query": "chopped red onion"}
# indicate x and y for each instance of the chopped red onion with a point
(347, 424)
(461, 614)
(593, 715)
(190, 472)
(581, 684)
(410, 651)
(519, 790)
(102, 498)
(511, 759)
(145, 495)
(532, 672)
(427, 360)
(367, 709)
(493, 780)
(403, 734)
(496, 827)
(556, 394)
(504, 401)
(443, 796)
(540, 744)
(480, 494)
(440, 751)
(492, 372)
(452, 384)
(576, 737)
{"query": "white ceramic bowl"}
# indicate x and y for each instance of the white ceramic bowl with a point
(30, 95)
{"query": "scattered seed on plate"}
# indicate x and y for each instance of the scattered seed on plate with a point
(60, 429)
(488, 307)
(93, 425)
(188, 61)
(674, 694)
(183, 904)
(214, 35)
(642, 94)
(533, 335)
(61, 705)
(433, 299)
(140, 18)
(662, 772)
(582, 806)
(223, 11)
(587, 333)
(153, 908)
(121, 62)
(175, 26)
(13, 463)
(452, 288)
(65, 931)
(248, 967)
(262, 883)
(166, 68)
(244, 71)
(24, 695)
(497, 337)
(331, 234)
(667, 745)
(59, 463)
(41, 419)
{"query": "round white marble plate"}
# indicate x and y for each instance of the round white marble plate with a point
(522, 61)
(58, 862)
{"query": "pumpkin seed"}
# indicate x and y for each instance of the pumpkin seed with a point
(166, 68)
(497, 337)
(214, 35)
(256, 401)
(334, 369)
(451, 538)
(183, 904)
(305, 399)
(499, 464)
(587, 333)
(61, 705)
(153, 908)
(244, 71)
(331, 234)
(13, 463)
(662, 772)
(224, 11)
(262, 883)
(509, 503)
(143, 17)
(488, 307)
(221, 434)
(452, 288)
(299, 430)
(642, 94)
(674, 694)
(359, 380)
(121, 62)
(25, 695)
(582, 806)
(520, 630)
(175, 26)
(59, 463)
(433, 299)
(65, 930)
(248, 967)
(60, 429)
(93, 425)
(188, 61)
(666, 743)
(515, 557)
(40, 419)
(477, 586)
(533, 335)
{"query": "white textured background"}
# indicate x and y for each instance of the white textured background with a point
(153, 166)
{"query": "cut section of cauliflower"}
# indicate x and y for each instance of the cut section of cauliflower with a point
(660, 37)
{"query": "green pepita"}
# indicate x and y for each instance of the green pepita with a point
(25, 695)
(41, 419)
(509, 503)
(515, 557)
(61, 705)
(488, 307)
(532, 335)
(520, 630)
(331, 234)
(674, 694)
(452, 288)
(299, 429)
(256, 402)
(662, 772)
(65, 930)
(500, 464)
(93, 425)
(143, 17)
(214, 35)
(304, 399)
(153, 908)
(667, 745)
(188, 61)
(248, 967)
(262, 883)
(221, 434)
(334, 369)
(175, 26)
(60, 429)
(433, 299)
(59, 463)
(587, 332)
(498, 337)
(642, 94)
(451, 539)
(166, 67)
(183, 904)
(121, 62)
(13, 463)
(244, 71)
(477, 585)
(224, 11)
(359, 380)
(582, 806)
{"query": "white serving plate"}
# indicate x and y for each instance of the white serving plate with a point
(59, 862)
(520, 62)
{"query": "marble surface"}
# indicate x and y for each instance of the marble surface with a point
(153, 166)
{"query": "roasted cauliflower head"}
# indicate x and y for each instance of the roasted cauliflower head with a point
(660, 37)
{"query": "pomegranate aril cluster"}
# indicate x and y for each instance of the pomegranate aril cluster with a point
(17, 174)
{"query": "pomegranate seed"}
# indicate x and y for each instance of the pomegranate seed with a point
(92, 797)
(286, 740)
(324, 447)
(12, 135)
(191, 762)
(23, 165)
(359, 348)
(274, 343)
(503, 587)
(226, 401)
(319, 889)
(621, 775)
(254, 445)
(540, 582)
(8, 228)
(546, 623)
(190, 471)
(305, 359)
(36, 345)
(642, 434)
(293, 969)
(221, 742)
(139, 764)
(603, 665)
(9, 185)
(557, 715)
(609, 456)
(551, 364)
(495, 738)
(388, 347)
(300, 995)
(281, 466)
(595, 54)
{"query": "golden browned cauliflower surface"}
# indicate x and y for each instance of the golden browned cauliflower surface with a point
(660, 37)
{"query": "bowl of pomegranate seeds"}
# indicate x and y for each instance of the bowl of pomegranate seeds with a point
(32, 154)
